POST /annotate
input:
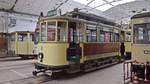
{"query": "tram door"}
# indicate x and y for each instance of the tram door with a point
(74, 51)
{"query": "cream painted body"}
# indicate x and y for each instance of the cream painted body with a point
(127, 46)
(54, 53)
(138, 52)
(138, 49)
(22, 47)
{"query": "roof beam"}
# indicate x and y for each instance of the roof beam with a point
(61, 4)
(89, 2)
(11, 11)
(12, 8)
(106, 3)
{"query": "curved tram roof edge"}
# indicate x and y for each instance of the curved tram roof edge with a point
(78, 20)
(141, 15)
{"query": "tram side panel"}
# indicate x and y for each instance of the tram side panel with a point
(100, 50)
(53, 54)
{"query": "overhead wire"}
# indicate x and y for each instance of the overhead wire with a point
(61, 4)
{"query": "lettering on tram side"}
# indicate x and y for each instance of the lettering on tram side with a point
(146, 51)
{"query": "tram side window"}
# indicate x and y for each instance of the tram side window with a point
(116, 37)
(61, 32)
(140, 34)
(111, 37)
(51, 31)
(102, 36)
(13, 37)
(128, 37)
(107, 37)
(149, 35)
(31, 38)
(148, 31)
(43, 31)
(22, 37)
(91, 35)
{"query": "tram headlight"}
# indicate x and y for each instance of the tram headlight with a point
(41, 56)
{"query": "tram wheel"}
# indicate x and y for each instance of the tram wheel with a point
(34, 73)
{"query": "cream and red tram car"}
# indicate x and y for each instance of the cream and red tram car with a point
(76, 44)
(140, 47)
(22, 44)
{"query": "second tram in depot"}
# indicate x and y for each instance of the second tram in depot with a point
(138, 69)
(22, 44)
(72, 44)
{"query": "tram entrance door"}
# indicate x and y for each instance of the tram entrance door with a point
(74, 51)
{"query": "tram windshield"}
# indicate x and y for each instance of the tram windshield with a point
(53, 31)
(22, 37)
(128, 37)
(36, 36)
(141, 33)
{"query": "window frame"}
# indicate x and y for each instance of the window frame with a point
(145, 34)
(56, 29)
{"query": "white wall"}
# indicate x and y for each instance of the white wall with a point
(3, 22)
(23, 22)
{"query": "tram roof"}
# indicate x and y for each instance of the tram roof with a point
(93, 17)
(141, 15)
(77, 20)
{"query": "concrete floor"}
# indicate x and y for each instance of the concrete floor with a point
(19, 72)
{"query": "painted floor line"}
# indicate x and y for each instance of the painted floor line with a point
(20, 74)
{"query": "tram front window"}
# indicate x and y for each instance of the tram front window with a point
(43, 31)
(13, 37)
(22, 37)
(51, 31)
(141, 34)
(61, 31)
(128, 37)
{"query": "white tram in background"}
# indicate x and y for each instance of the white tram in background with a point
(78, 42)
(22, 44)
(138, 69)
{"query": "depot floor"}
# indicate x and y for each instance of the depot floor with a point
(19, 72)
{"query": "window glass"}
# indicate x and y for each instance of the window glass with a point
(36, 36)
(91, 34)
(80, 31)
(140, 33)
(51, 31)
(101, 36)
(111, 37)
(31, 38)
(128, 36)
(116, 37)
(149, 35)
(13, 37)
(43, 31)
(107, 37)
(61, 32)
(22, 37)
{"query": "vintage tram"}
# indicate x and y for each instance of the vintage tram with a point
(139, 66)
(81, 42)
(22, 44)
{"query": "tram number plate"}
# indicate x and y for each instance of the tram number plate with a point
(146, 51)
